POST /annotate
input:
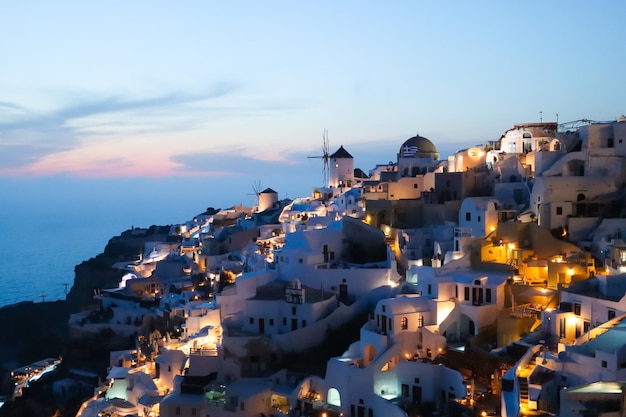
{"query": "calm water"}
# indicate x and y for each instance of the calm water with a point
(49, 226)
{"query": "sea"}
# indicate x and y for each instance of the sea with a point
(49, 225)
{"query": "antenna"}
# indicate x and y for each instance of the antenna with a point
(324, 156)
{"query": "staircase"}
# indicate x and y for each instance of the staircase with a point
(523, 393)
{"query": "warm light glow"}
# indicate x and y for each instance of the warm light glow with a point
(570, 271)
(492, 228)
(511, 245)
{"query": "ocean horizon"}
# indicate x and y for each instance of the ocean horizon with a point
(50, 226)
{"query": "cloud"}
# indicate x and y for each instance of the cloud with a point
(27, 136)
(233, 161)
(107, 105)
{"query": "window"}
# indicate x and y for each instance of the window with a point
(414, 185)
(456, 291)
(610, 143)
(390, 325)
(271, 322)
(300, 260)
(284, 321)
(405, 323)
(488, 295)
(251, 320)
(466, 291)
(303, 323)
(420, 321)
(468, 216)
(577, 309)
(293, 311)
(611, 314)
(383, 308)
(559, 211)
(177, 411)
(604, 364)
(416, 380)
(562, 328)
(169, 368)
(478, 219)
(430, 289)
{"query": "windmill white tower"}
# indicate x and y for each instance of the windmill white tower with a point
(324, 156)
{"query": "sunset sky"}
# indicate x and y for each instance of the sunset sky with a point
(147, 89)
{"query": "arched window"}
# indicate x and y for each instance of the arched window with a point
(405, 323)
(580, 197)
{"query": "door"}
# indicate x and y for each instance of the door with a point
(261, 325)
(417, 394)
(294, 324)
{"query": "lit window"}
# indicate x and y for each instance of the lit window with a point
(405, 323)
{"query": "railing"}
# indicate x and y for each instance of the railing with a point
(204, 351)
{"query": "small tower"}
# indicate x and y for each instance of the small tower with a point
(341, 169)
(267, 199)
(294, 293)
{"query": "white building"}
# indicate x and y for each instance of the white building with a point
(341, 169)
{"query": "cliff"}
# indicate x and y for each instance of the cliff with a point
(33, 331)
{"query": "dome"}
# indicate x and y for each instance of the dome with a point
(417, 146)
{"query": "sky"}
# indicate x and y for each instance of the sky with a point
(197, 94)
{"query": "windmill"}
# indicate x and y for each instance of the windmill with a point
(324, 156)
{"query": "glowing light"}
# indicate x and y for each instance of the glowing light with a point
(511, 245)
(492, 228)
(570, 271)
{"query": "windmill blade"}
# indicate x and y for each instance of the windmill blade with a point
(325, 156)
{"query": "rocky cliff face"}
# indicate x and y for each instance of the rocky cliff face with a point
(33, 331)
